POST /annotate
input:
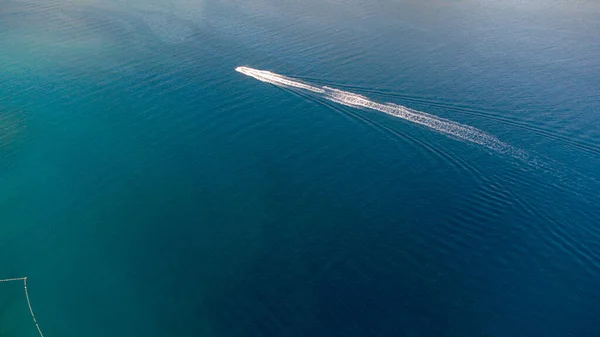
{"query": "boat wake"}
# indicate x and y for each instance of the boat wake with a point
(442, 125)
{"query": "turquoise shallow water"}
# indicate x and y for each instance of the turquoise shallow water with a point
(147, 188)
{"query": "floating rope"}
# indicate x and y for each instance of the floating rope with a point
(24, 279)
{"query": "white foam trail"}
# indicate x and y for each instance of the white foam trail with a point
(346, 98)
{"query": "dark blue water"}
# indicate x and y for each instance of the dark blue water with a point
(148, 189)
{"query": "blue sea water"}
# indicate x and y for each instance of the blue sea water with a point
(148, 189)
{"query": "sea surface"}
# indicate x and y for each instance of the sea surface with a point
(149, 189)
